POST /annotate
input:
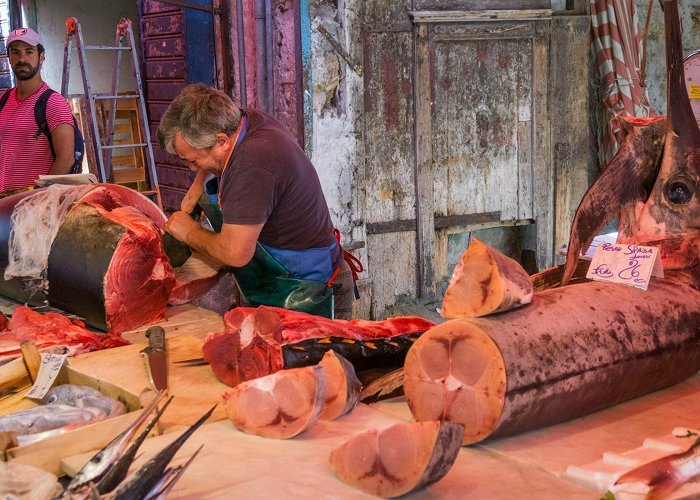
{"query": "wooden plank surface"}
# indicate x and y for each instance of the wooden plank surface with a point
(571, 143)
(464, 16)
(234, 464)
(195, 388)
(185, 319)
(425, 211)
(527, 466)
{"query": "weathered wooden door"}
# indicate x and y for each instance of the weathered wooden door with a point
(457, 137)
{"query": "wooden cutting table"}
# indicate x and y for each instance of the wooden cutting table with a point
(232, 463)
(529, 465)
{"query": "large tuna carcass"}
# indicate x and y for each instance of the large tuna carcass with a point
(579, 348)
(92, 250)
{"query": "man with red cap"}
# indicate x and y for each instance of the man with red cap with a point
(25, 151)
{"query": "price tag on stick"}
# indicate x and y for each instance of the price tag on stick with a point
(631, 265)
(48, 371)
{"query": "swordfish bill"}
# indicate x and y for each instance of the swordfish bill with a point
(628, 178)
(670, 219)
(657, 204)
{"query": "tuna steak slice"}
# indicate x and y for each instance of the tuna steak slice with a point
(280, 405)
(342, 386)
(485, 281)
(400, 459)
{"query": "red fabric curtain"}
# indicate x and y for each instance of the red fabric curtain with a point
(617, 48)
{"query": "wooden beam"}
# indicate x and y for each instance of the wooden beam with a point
(425, 237)
(467, 16)
(439, 222)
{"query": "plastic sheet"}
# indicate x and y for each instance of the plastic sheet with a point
(19, 481)
(35, 222)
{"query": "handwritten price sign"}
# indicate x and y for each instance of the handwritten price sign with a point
(631, 265)
(48, 371)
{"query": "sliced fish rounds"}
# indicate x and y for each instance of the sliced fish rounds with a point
(280, 405)
(342, 386)
(483, 282)
(399, 459)
(455, 372)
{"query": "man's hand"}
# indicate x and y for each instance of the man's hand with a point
(180, 225)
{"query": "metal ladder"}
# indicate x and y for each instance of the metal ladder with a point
(104, 145)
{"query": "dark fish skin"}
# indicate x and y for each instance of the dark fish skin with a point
(143, 481)
(120, 469)
(628, 178)
(666, 474)
(666, 213)
(170, 477)
(674, 205)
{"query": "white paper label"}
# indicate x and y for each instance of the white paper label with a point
(48, 371)
(631, 265)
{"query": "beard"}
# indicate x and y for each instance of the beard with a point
(25, 71)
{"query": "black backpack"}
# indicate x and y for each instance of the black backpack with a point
(40, 118)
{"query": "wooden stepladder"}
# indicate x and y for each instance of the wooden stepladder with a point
(104, 144)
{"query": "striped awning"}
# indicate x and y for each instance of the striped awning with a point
(617, 50)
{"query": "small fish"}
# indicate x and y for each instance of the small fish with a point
(141, 482)
(664, 475)
(81, 396)
(98, 466)
(48, 417)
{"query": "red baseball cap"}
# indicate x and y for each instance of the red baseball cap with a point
(26, 35)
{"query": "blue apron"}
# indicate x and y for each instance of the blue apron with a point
(292, 279)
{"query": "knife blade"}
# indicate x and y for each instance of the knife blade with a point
(155, 358)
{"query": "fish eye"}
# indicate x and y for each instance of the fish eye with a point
(52, 399)
(679, 191)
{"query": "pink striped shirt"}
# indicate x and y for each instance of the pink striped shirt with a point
(23, 155)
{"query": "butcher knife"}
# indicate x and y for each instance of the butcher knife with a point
(156, 359)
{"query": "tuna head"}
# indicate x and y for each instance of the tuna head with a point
(670, 218)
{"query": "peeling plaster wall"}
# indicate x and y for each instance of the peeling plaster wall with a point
(689, 11)
(338, 149)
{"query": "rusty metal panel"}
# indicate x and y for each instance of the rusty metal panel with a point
(165, 70)
(167, 24)
(163, 90)
(156, 7)
(164, 47)
(482, 97)
(171, 196)
(388, 96)
(173, 177)
(164, 157)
